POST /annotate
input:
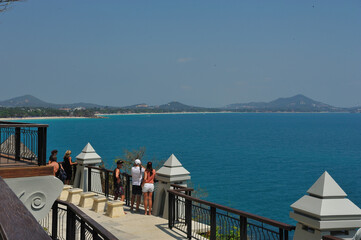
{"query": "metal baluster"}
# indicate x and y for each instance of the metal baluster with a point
(17, 144)
(106, 183)
(89, 179)
(189, 218)
(213, 223)
(54, 227)
(70, 225)
(82, 229)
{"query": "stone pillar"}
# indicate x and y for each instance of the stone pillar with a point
(87, 157)
(325, 211)
(172, 172)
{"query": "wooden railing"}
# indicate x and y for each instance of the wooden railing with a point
(201, 219)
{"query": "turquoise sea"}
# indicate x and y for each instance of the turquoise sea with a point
(256, 162)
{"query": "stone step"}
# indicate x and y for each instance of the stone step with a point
(86, 199)
(115, 209)
(99, 203)
(74, 195)
(64, 194)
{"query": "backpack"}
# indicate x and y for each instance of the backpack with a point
(61, 174)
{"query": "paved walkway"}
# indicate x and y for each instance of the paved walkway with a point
(136, 226)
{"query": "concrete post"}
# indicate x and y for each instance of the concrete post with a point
(172, 172)
(88, 157)
(325, 211)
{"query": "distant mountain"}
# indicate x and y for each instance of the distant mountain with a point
(177, 106)
(298, 103)
(138, 106)
(169, 107)
(31, 101)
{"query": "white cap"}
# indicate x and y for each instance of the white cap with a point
(138, 162)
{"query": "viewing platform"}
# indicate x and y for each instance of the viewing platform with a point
(41, 207)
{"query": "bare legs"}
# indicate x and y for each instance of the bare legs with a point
(132, 202)
(148, 203)
(145, 197)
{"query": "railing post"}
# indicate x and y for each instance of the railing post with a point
(82, 229)
(127, 190)
(170, 209)
(106, 183)
(54, 226)
(188, 216)
(286, 234)
(70, 225)
(280, 230)
(89, 179)
(213, 223)
(17, 143)
(243, 228)
(42, 146)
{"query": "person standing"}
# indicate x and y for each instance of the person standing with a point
(118, 183)
(148, 188)
(53, 155)
(54, 164)
(68, 166)
(137, 171)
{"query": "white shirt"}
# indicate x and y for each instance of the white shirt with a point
(136, 176)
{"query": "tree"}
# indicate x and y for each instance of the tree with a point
(4, 4)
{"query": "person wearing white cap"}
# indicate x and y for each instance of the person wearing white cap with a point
(137, 176)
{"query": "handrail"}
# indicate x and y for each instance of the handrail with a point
(232, 210)
(21, 124)
(106, 170)
(99, 228)
(15, 219)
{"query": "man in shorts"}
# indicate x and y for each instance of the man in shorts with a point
(137, 176)
(118, 183)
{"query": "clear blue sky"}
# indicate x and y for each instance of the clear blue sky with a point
(206, 53)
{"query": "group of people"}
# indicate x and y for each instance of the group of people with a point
(64, 170)
(142, 179)
(142, 184)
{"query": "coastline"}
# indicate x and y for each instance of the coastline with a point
(164, 113)
(102, 116)
(39, 118)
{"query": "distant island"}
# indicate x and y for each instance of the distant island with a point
(30, 106)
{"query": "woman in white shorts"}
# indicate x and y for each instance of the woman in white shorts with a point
(148, 188)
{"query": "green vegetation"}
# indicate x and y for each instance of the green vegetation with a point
(21, 112)
(130, 156)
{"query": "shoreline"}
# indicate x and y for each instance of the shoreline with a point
(103, 116)
(121, 114)
(39, 118)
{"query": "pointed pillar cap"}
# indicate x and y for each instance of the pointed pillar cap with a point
(326, 187)
(172, 171)
(88, 156)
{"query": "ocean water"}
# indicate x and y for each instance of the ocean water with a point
(260, 163)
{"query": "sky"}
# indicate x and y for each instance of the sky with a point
(203, 53)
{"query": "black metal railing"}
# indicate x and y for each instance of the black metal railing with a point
(23, 142)
(201, 219)
(66, 221)
(106, 184)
